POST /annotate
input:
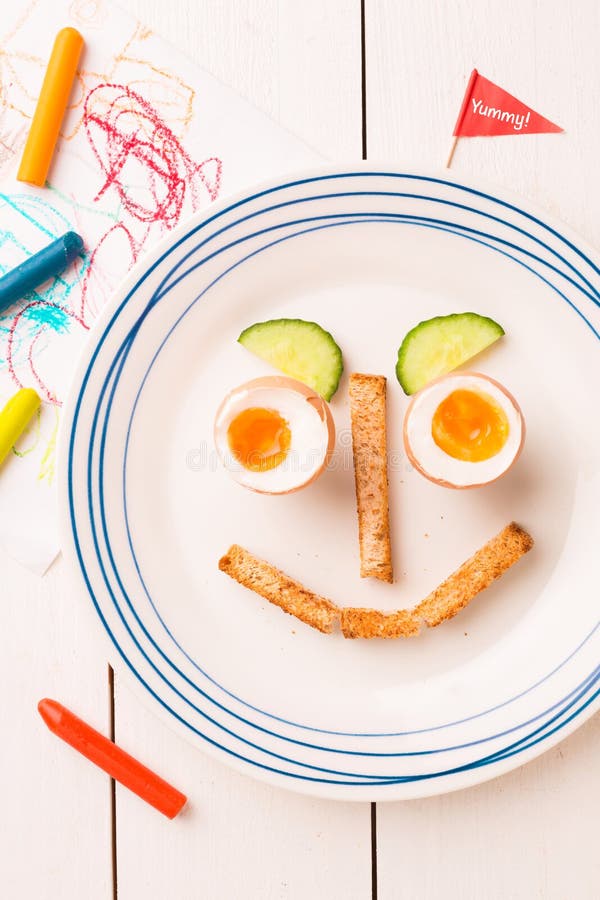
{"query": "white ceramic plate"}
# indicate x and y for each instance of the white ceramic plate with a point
(148, 510)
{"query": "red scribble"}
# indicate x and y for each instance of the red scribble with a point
(46, 393)
(141, 158)
(93, 272)
(156, 182)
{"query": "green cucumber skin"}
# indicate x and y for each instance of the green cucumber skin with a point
(284, 322)
(303, 324)
(403, 379)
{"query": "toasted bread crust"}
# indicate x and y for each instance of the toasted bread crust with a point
(475, 575)
(369, 448)
(276, 587)
(371, 623)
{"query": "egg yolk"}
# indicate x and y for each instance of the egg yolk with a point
(470, 426)
(259, 438)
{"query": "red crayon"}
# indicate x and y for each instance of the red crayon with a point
(105, 754)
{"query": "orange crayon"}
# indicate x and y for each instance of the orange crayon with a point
(51, 107)
(107, 756)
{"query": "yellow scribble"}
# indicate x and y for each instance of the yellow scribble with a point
(33, 433)
(48, 461)
(32, 430)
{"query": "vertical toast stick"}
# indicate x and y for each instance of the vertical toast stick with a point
(369, 448)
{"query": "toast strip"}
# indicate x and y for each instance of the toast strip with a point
(371, 623)
(475, 575)
(276, 587)
(369, 448)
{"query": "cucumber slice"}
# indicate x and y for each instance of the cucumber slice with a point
(300, 349)
(437, 346)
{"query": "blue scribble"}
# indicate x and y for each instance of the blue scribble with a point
(53, 316)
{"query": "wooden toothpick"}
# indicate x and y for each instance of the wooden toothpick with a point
(452, 150)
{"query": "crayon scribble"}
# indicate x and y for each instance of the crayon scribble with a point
(169, 94)
(48, 461)
(31, 439)
(147, 172)
(90, 13)
(133, 146)
(29, 223)
(118, 243)
(45, 316)
(128, 178)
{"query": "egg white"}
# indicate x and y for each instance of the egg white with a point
(437, 464)
(308, 445)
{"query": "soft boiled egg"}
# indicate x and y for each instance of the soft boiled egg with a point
(464, 430)
(274, 435)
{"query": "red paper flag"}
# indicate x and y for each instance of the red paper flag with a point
(489, 110)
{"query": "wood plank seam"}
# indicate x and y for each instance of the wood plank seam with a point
(113, 786)
(363, 98)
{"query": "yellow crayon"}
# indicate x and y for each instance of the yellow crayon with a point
(51, 107)
(15, 417)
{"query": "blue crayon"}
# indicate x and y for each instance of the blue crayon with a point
(46, 264)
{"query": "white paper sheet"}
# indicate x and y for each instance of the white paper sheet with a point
(149, 139)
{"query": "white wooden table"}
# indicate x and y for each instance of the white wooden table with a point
(531, 834)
